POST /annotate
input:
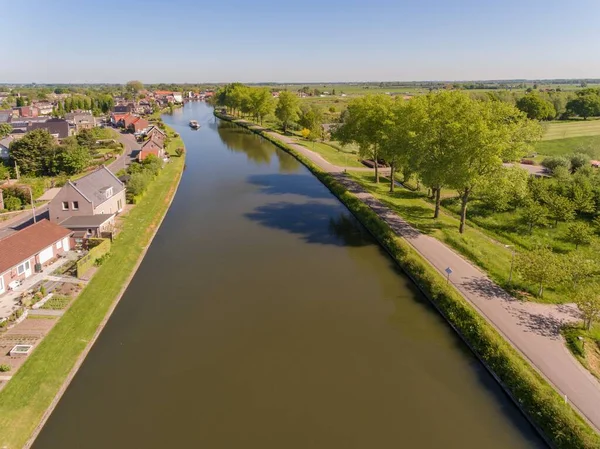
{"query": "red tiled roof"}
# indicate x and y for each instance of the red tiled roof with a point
(162, 92)
(129, 119)
(26, 243)
(140, 124)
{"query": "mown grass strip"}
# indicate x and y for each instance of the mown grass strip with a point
(31, 391)
(556, 421)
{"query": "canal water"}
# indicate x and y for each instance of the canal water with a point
(264, 316)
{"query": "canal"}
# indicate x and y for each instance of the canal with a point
(264, 316)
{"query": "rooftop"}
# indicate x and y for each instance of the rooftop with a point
(21, 245)
(86, 221)
(94, 185)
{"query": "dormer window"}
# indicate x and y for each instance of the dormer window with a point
(109, 192)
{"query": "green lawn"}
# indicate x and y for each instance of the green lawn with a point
(343, 158)
(26, 397)
(559, 129)
(483, 247)
(559, 147)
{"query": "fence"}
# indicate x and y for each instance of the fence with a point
(87, 261)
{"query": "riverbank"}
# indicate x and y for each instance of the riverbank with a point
(30, 396)
(556, 421)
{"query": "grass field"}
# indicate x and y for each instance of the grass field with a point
(572, 128)
(341, 158)
(30, 392)
(588, 144)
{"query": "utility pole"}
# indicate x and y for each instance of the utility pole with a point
(32, 203)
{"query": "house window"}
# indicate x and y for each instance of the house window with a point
(23, 268)
(65, 205)
(59, 244)
(1, 284)
(75, 205)
(109, 192)
(119, 205)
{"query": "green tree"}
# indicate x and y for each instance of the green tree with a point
(34, 152)
(585, 106)
(5, 130)
(20, 102)
(536, 107)
(579, 233)
(487, 133)
(13, 203)
(365, 124)
(4, 173)
(534, 215)
(579, 269)
(541, 267)
(72, 160)
(261, 103)
(561, 208)
(579, 160)
(288, 107)
(506, 190)
(588, 302)
(134, 86)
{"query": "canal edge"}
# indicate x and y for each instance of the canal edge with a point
(315, 170)
(102, 324)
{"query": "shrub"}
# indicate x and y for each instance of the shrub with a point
(579, 160)
(12, 203)
(551, 163)
(180, 151)
(4, 368)
(101, 259)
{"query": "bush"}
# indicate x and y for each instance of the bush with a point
(12, 203)
(4, 368)
(180, 151)
(579, 160)
(551, 163)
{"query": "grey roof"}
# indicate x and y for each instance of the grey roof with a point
(93, 186)
(6, 141)
(86, 221)
(53, 126)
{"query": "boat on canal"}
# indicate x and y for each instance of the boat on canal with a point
(194, 124)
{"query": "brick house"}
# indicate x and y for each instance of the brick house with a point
(29, 250)
(157, 134)
(97, 193)
(139, 126)
(151, 147)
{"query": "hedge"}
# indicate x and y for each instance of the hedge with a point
(556, 421)
(87, 261)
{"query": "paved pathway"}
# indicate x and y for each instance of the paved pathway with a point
(124, 160)
(533, 329)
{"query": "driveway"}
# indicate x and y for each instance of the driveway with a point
(22, 220)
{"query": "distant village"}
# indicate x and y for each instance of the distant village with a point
(51, 225)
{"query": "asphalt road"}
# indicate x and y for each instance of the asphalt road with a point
(22, 220)
(123, 161)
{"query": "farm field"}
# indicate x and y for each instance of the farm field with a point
(572, 128)
(587, 144)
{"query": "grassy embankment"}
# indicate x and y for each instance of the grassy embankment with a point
(585, 346)
(545, 408)
(31, 391)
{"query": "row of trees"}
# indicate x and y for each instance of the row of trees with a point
(585, 103)
(240, 99)
(446, 139)
(100, 104)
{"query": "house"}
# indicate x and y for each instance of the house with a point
(154, 132)
(89, 226)
(29, 250)
(128, 120)
(57, 127)
(97, 193)
(81, 120)
(27, 111)
(124, 108)
(116, 118)
(151, 147)
(4, 145)
(139, 126)
(5, 115)
(44, 107)
(177, 97)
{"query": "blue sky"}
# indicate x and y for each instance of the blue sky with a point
(310, 40)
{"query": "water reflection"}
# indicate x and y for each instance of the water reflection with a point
(240, 140)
